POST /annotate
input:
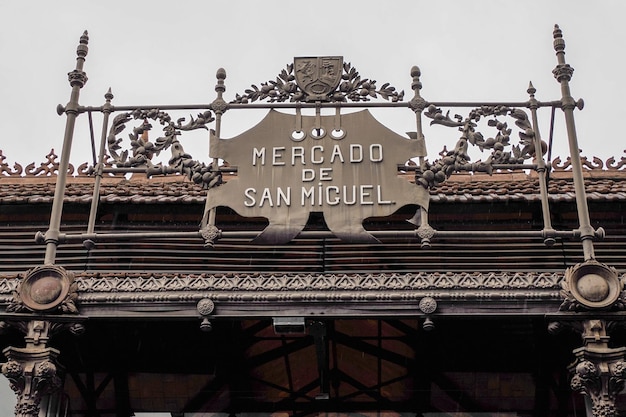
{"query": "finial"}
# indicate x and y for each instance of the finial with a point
(531, 89)
(563, 71)
(417, 103)
(559, 43)
(82, 49)
(416, 85)
(219, 106)
(109, 95)
(220, 87)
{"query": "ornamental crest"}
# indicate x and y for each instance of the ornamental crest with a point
(318, 76)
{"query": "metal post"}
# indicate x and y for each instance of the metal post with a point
(77, 79)
(106, 109)
(418, 104)
(563, 74)
(219, 106)
(541, 167)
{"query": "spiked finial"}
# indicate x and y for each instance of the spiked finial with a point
(78, 77)
(82, 49)
(531, 89)
(559, 43)
(108, 95)
(563, 71)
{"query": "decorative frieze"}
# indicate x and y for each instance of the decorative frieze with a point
(319, 282)
(137, 287)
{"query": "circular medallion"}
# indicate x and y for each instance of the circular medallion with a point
(593, 284)
(205, 307)
(428, 305)
(44, 288)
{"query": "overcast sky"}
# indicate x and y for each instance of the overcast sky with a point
(157, 52)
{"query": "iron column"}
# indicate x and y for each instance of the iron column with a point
(563, 74)
(77, 79)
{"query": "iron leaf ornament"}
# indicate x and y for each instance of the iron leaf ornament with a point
(143, 150)
(327, 79)
(288, 85)
(458, 159)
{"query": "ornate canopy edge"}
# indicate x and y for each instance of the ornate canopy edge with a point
(255, 295)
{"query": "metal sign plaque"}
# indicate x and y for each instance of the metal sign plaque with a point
(348, 174)
(318, 76)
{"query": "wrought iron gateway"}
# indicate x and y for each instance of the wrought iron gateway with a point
(345, 168)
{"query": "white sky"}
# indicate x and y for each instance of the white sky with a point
(152, 52)
(157, 52)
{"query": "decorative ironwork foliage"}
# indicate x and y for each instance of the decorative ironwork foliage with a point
(86, 169)
(611, 165)
(596, 164)
(6, 170)
(143, 150)
(458, 159)
(48, 168)
(352, 88)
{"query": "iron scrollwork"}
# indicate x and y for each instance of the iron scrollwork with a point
(5, 169)
(350, 88)
(143, 150)
(458, 159)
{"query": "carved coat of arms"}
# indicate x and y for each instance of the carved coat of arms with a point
(318, 76)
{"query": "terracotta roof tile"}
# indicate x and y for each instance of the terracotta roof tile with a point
(177, 189)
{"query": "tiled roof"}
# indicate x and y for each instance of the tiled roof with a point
(604, 181)
(178, 189)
